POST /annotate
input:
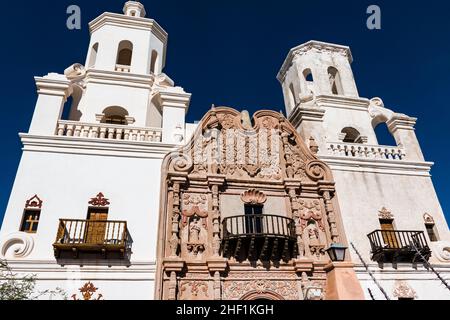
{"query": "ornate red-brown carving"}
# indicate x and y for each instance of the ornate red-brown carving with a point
(99, 201)
(87, 292)
(228, 154)
(253, 196)
(33, 203)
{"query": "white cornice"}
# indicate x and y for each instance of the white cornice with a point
(392, 167)
(312, 46)
(343, 102)
(120, 20)
(54, 87)
(95, 147)
(301, 114)
(119, 79)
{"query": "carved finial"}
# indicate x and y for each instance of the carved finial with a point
(313, 146)
(99, 201)
(246, 121)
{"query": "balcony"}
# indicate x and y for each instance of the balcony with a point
(399, 246)
(363, 151)
(259, 237)
(109, 238)
(107, 132)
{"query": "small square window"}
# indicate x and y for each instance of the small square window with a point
(30, 221)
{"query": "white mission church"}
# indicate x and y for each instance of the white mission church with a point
(125, 200)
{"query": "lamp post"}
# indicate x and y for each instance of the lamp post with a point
(336, 252)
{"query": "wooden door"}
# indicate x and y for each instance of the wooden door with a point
(96, 226)
(390, 238)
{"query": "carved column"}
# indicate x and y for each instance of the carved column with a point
(329, 208)
(292, 191)
(216, 263)
(217, 286)
(176, 214)
(172, 286)
(216, 220)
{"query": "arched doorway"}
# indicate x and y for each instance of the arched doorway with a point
(266, 295)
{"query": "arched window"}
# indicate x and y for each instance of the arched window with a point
(351, 135)
(384, 136)
(93, 57)
(308, 75)
(125, 53)
(154, 63)
(115, 115)
(335, 81)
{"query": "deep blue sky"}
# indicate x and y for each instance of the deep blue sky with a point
(229, 52)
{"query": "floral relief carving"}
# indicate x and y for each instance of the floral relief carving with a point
(87, 292)
(194, 290)
(99, 201)
(227, 121)
(236, 290)
(295, 164)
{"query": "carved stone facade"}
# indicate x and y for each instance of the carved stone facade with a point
(215, 250)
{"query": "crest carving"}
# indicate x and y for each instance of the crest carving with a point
(385, 214)
(253, 196)
(404, 291)
(33, 203)
(99, 201)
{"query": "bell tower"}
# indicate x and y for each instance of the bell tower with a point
(122, 82)
(323, 103)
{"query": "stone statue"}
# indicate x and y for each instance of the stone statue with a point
(195, 227)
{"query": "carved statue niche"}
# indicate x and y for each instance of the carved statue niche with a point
(313, 230)
(194, 232)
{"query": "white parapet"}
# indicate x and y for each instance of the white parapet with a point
(356, 150)
(108, 131)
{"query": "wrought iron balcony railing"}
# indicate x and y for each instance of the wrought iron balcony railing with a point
(399, 246)
(253, 237)
(98, 236)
